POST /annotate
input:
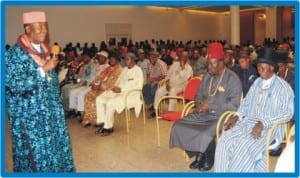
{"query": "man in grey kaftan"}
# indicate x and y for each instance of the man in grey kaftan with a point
(219, 91)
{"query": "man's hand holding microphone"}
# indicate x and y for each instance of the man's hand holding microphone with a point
(52, 63)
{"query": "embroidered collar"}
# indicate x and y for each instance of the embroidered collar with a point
(26, 45)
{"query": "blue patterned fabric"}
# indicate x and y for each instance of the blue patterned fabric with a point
(40, 138)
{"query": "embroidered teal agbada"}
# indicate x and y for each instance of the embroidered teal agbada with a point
(40, 138)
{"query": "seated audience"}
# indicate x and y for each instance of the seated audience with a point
(143, 63)
(157, 72)
(105, 81)
(283, 70)
(76, 98)
(177, 76)
(220, 90)
(62, 71)
(288, 75)
(270, 99)
(246, 71)
(73, 66)
(75, 72)
(229, 59)
(114, 99)
(286, 47)
(165, 56)
(253, 54)
(198, 61)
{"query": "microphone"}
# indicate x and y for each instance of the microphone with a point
(54, 51)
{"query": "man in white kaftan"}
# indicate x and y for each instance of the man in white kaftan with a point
(176, 79)
(113, 100)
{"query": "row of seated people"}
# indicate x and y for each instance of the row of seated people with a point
(157, 71)
(214, 86)
(82, 71)
(195, 53)
(76, 95)
(78, 49)
(242, 146)
(241, 63)
(104, 93)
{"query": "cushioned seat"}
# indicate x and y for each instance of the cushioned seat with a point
(187, 98)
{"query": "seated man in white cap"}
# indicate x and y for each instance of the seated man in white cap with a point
(114, 100)
(76, 100)
(40, 138)
(143, 63)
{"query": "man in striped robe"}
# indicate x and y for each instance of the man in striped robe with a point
(270, 99)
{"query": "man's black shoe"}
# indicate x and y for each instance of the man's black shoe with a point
(106, 132)
(209, 156)
(207, 165)
(153, 114)
(99, 130)
(198, 163)
(276, 152)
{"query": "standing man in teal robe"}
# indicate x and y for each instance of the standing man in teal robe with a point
(40, 137)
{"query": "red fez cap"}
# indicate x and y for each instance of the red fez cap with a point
(215, 50)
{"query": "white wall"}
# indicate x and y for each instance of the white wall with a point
(86, 23)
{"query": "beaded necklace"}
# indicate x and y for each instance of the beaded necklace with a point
(210, 93)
